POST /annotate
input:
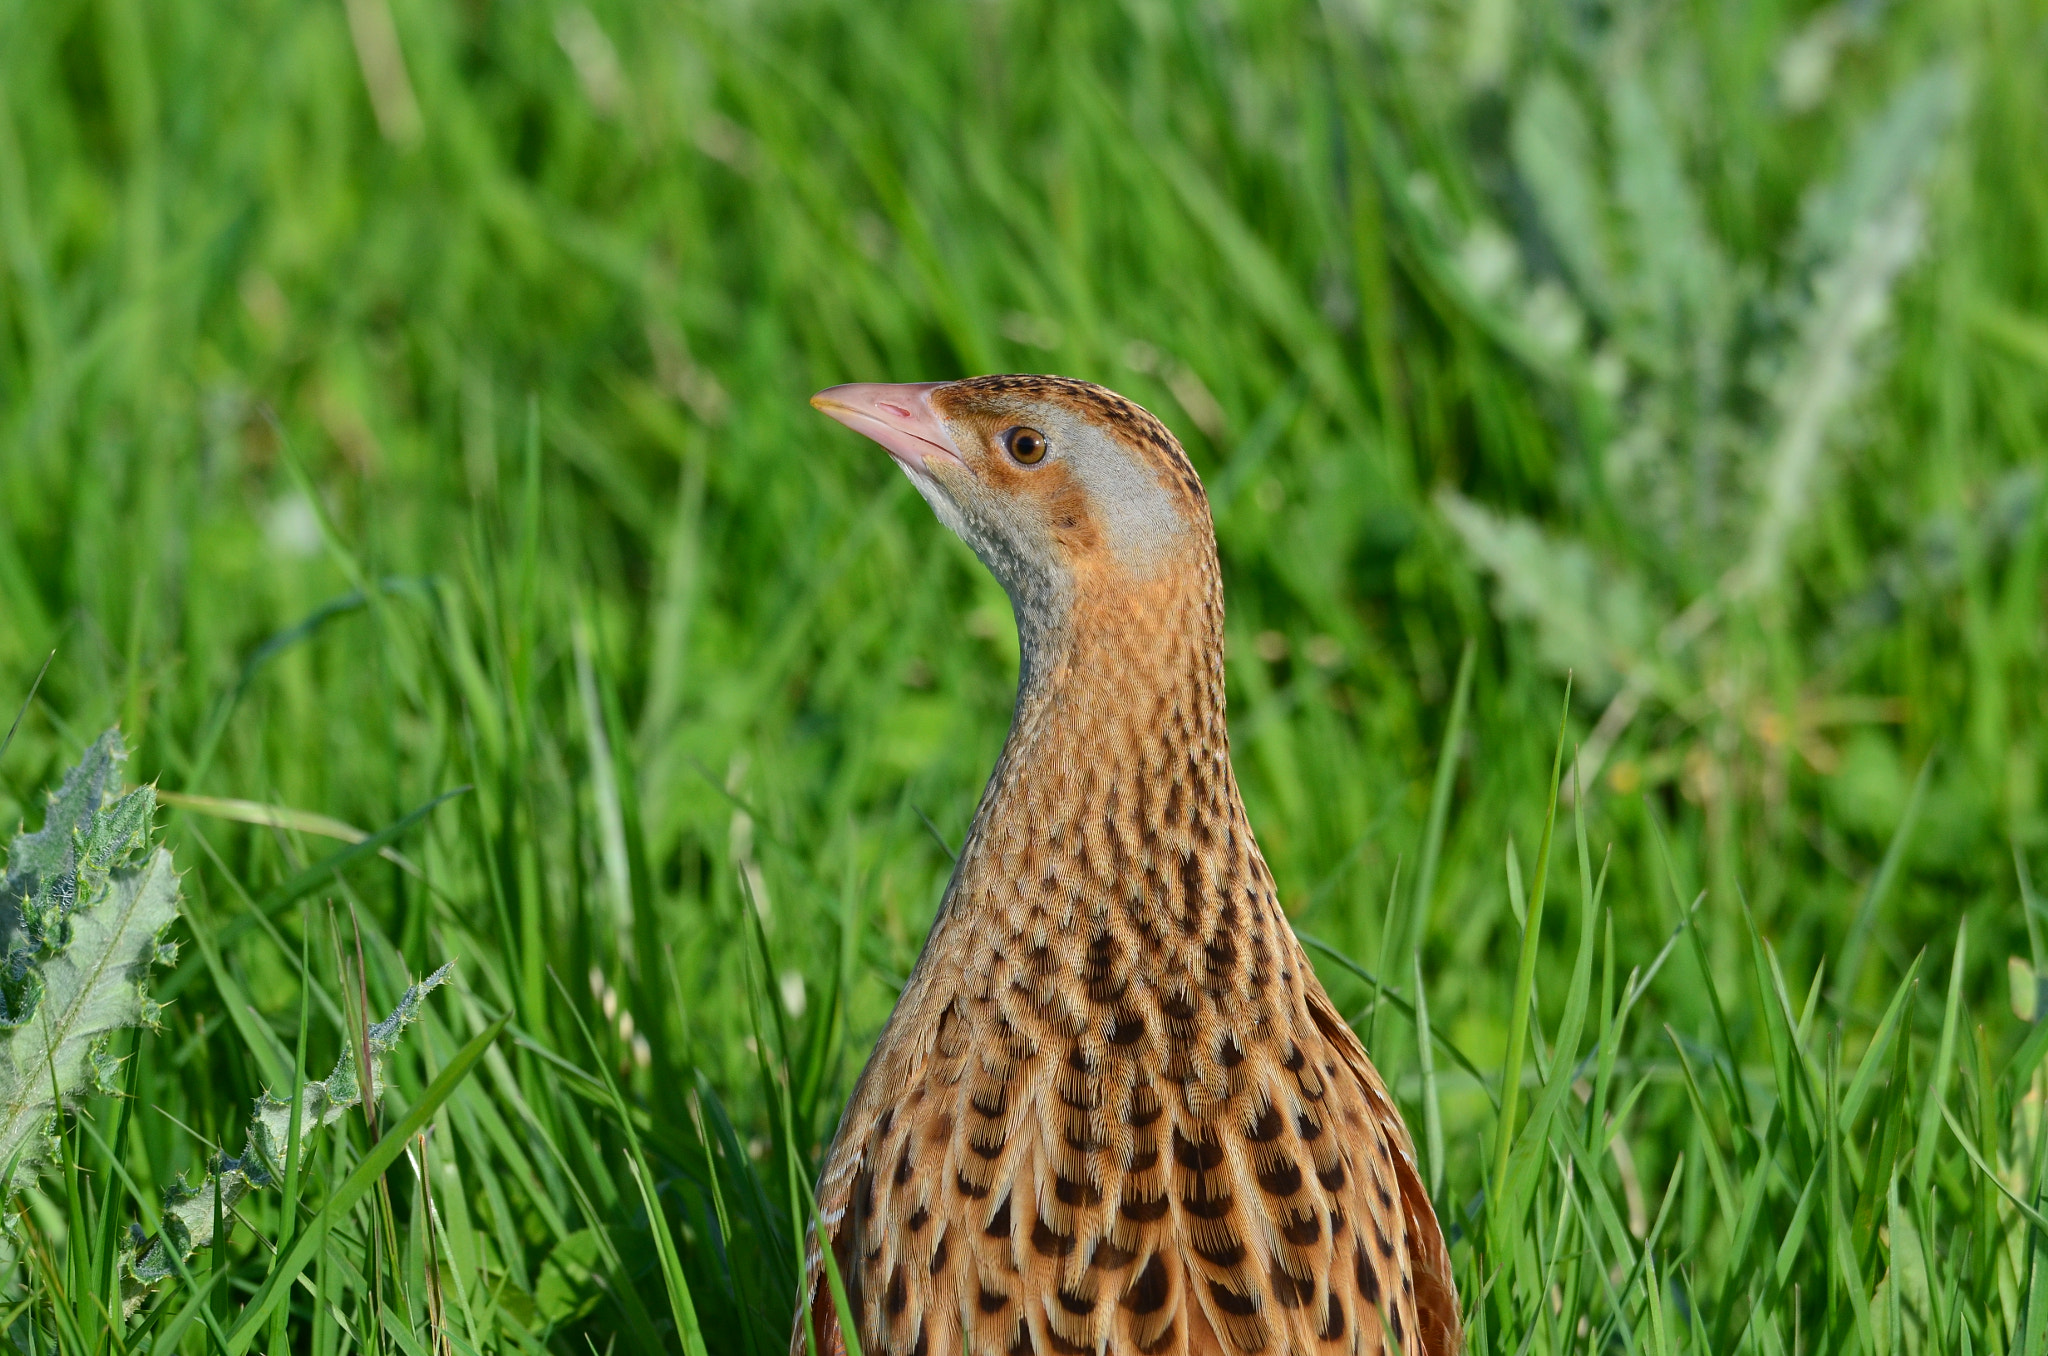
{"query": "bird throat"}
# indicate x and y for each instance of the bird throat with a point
(1114, 795)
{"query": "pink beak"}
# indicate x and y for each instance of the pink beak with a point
(898, 415)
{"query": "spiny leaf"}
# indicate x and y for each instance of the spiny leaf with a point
(189, 1209)
(1593, 617)
(51, 851)
(90, 900)
(1554, 155)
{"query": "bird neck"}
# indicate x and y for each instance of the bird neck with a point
(1117, 765)
(1138, 666)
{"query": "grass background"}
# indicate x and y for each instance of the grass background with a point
(398, 397)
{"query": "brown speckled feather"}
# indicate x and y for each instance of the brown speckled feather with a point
(1114, 1110)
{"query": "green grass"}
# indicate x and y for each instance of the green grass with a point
(403, 405)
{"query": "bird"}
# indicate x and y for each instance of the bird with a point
(1113, 1109)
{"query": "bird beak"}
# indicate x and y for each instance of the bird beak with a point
(899, 416)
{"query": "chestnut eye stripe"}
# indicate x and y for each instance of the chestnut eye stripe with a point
(1132, 423)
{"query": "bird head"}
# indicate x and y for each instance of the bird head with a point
(1064, 489)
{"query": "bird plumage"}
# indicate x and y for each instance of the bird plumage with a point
(1113, 1110)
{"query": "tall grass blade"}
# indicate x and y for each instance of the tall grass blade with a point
(1525, 981)
(1935, 1098)
(1440, 801)
(1858, 939)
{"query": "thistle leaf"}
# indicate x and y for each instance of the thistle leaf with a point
(1591, 616)
(1679, 283)
(1862, 230)
(51, 852)
(1893, 156)
(87, 898)
(188, 1207)
(1851, 302)
(1554, 154)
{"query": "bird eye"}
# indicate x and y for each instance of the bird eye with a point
(1025, 445)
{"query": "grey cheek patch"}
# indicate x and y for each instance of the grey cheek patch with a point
(1138, 515)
